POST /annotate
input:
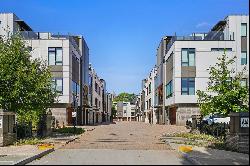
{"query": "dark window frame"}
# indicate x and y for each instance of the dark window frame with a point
(189, 81)
(57, 63)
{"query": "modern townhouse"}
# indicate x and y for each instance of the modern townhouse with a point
(97, 87)
(149, 89)
(138, 110)
(183, 61)
(68, 58)
(126, 111)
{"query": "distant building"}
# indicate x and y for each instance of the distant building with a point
(125, 111)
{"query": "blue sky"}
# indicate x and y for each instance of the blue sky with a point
(123, 35)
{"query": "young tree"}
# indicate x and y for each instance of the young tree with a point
(225, 93)
(25, 84)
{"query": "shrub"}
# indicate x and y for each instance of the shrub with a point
(70, 130)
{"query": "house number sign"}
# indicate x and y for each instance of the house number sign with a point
(244, 122)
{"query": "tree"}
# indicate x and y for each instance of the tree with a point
(126, 97)
(25, 84)
(225, 93)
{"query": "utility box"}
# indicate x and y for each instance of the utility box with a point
(7, 125)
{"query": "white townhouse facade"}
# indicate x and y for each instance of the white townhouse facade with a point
(187, 58)
(149, 89)
(126, 111)
(97, 97)
(68, 58)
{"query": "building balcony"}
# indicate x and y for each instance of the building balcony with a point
(210, 36)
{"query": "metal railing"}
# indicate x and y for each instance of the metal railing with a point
(210, 36)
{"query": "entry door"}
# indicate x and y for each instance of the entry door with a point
(172, 116)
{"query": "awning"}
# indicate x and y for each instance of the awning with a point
(23, 25)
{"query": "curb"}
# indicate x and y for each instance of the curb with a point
(32, 158)
(190, 159)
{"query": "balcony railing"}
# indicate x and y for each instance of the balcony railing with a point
(210, 36)
(30, 35)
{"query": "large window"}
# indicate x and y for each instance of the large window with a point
(243, 30)
(58, 85)
(188, 57)
(188, 86)
(55, 56)
(243, 58)
(169, 89)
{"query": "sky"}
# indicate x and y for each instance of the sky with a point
(123, 35)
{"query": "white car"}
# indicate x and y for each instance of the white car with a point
(216, 118)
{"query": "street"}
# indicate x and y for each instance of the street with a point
(121, 143)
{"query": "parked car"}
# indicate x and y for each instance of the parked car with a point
(210, 119)
(215, 118)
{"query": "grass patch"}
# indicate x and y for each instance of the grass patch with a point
(28, 141)
(70, 130)
(195, 136)
(200, 140)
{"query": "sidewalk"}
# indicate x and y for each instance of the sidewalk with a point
(208, 156)
(20, 155)
(13, 155)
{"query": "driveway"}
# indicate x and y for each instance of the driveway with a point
(123, 143)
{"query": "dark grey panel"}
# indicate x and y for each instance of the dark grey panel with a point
(243, 43)
(57, 74)
(56, 68)
(188, 71)
(75, 70)
(169, 69)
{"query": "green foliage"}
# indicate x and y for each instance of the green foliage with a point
(70, 130)
(225, 93)
(28, 141)
(25, 84)
(195, 136)
(126, 97)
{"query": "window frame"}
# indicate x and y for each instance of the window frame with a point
(57, 62)
(245, 29)
(189, 51)
(243, 58)
(189, 81)
(170, 86)
(55, 84)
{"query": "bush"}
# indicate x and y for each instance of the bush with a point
(70, 130)
(28, 141)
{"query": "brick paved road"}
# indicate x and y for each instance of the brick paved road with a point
(121, 143)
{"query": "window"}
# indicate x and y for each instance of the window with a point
(243, 58)
(169, 89)
(188, 86)
(243, 30)
(149, 103)
(95, 86)
(188, 57)
(243, 82)
(222, 49)
(58, 85)
(149, 88)
(55, 56)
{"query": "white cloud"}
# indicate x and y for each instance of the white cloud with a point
(202, 24)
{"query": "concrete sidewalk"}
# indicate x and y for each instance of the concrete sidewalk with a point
(19, 155)
(208, 156)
